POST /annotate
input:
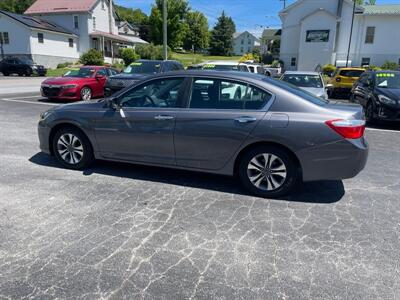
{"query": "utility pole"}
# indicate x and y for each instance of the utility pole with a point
(351, 33)
(165, 41)
(284, 3)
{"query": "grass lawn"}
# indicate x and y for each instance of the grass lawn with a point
(194, 58)
(56, 72)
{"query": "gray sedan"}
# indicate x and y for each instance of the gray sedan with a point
(271, 134)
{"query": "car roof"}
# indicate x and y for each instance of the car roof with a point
(157, 60)
(350, 68)
(301, 73)
(383, 71)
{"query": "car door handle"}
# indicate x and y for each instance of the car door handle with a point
(163, 117)
(245, 119)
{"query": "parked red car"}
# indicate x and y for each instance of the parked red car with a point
(82, 83)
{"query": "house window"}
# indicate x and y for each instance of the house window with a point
(241, 50)
(365, 61)
(4, 39)
(40, 38)
(369, 38)
(249, 42)
(249, 49)
(242, 41)
(71, 43)
(102, 5)
(293, 62)
(76, 22)
(94, 23)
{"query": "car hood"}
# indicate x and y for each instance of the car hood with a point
(129, 76)
(319, 92)
(390, 93)
(82, 106)
(64, 80)
(351, 110)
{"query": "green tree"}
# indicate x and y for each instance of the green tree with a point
(135, 17)
(92, 58)
(15, 6)
(150, 51)
(128, 55)
(366, 2)
(197, 34)
(177, 11)
(221, 36)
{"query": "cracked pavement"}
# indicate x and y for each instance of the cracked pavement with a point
(119, 231)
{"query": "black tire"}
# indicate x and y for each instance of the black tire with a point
(6, 74)
(331, 94)
(285, 184)
(84, 96)
(369, 113)
(28, 73)
(85, 159)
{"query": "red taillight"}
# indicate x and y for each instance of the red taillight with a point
(338, 79)
(349, 129)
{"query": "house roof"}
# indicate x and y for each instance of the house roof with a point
(110, 36)
(272, 33)
(393, 9)
(294, 4)
(237, 34)
(37, 23)
(59, 6)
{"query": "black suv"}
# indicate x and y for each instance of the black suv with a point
(379, 93)
(138, 70)
(21, 67)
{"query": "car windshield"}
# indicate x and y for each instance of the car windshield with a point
(298, 92)
(308, 81)
(27, 61)
(217, 67)
(80, 73)
(388, 80)
(143, 67)
(351, 73)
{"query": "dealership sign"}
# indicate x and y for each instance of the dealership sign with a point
(316, 36)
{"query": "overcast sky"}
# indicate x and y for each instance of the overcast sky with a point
(251, 15)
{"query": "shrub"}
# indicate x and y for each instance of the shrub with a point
(128, 55)
(118, 66)
(149, 51)
(247, 57)
(373, 68)
(328, 69)
(276, 64)
(92, 58)
(64, 65)
(388, 65)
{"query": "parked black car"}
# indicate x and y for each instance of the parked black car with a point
(379, 93)
(138, 70)
(21, 67)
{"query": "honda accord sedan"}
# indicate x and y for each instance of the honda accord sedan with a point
(269, 133)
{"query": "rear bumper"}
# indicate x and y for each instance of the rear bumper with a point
(336, 161)
(44, 137)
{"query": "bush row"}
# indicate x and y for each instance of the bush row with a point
(388, 65)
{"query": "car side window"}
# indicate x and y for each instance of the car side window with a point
(224, 94)
(112, 72)
(159, 93)
(102, 72)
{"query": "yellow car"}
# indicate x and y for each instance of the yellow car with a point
(343, 80)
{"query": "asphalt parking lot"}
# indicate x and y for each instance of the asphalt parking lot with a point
(119, 231)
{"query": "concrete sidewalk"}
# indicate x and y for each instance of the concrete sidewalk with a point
(12, 85)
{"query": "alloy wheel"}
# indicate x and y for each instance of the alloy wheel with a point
(267, 172)
(86, 94)
(70, 148)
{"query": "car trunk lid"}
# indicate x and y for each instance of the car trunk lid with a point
(347, 110)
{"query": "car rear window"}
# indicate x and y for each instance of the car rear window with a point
(298, 92)
(351, 73)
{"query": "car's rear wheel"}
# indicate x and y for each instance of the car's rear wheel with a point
(6, 74)
(72, 148)
(86, 93)
(268, 171)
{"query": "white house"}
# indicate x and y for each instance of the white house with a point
(317, 32)
(54, 31)
(130, 32)
(244, 42)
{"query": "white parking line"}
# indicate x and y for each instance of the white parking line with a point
(384, 130)
(26, 97)
(28, 102)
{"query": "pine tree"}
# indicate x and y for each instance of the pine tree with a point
(222, 36)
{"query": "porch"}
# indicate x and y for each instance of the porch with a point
(109, 44)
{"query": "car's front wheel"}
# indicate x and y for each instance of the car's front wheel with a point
(86, 93)
(72, 148)
(369, 113)
(268, 171)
